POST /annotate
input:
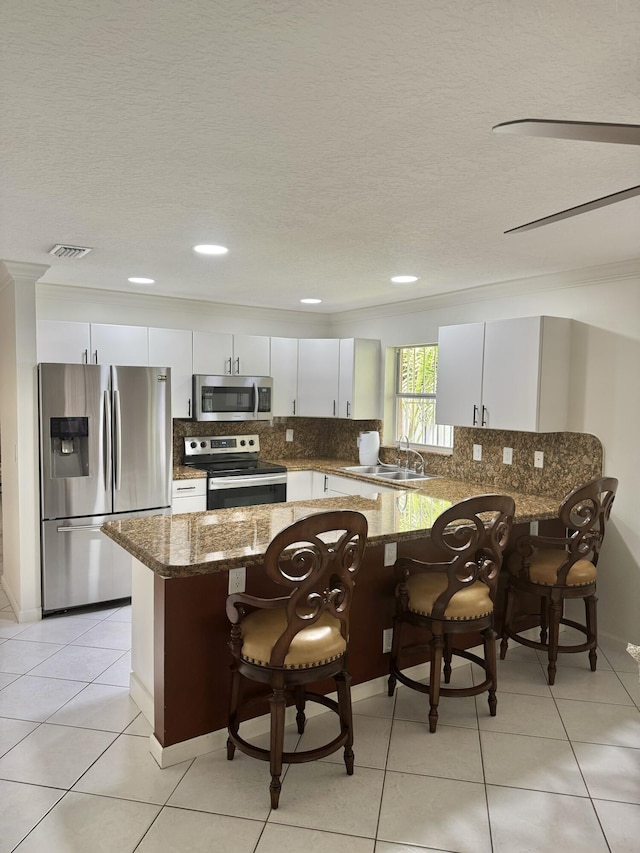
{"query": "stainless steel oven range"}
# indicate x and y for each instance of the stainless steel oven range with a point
(235, 475)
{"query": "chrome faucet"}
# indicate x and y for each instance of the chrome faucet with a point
(419, 466)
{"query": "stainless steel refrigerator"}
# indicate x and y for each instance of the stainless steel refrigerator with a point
(105, 453)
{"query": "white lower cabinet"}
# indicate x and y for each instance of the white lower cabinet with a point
(312, 485)
(189, 495)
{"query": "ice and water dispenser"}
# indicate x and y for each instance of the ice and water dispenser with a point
(69, 447)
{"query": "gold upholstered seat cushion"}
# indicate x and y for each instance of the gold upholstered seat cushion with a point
(544, 565)
(316, 644)
(472, 602)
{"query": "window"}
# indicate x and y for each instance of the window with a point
(416, 377)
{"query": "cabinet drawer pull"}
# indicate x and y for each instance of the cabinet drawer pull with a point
(185, 488)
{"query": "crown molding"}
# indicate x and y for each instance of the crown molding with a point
(20, 271)
(497, 290)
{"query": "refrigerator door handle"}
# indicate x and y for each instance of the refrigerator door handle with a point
(117, 440)
(106, 444)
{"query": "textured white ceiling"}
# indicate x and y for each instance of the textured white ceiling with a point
(330, 144)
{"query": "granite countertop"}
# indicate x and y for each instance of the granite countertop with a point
(219, 540)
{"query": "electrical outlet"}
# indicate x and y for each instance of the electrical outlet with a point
(387, 638)
(288, 436)
(538, 459)
(507, 455)
(390, 553)
(237, 580)
(477, 452)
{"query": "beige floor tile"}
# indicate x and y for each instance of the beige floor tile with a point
(380, 705)
(12, 732)
(98, 706)
(596, 722)
(77, 663)
(29, 698)
(319, 795)
(9, 625)
(122, 614)
(127, 770)
(611, 772)
(7, 678)
(118, 674)
(421, 810)
(541, 764)
(54, 755)
(450, 752)
(291, 839)
(621, 824)
(58, 629)
(239, 788)
(390, 847)
(371, 738)
(19, 656)
(178, 830)
(140, 726)
(81, 823)
(631, 683)
(107, 635)
(21, 807)
(453, 710)
(599, 686)
(617, 655)
(534, 820)
(516, 676)
(521, 714)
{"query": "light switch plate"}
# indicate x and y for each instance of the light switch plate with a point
(477, 452)
(538, 459)
(507, 455)
(387, 639)
(288, 436)
(390, 553)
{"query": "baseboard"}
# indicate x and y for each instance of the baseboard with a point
(142, 698)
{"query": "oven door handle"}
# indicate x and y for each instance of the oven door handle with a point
(217, 483)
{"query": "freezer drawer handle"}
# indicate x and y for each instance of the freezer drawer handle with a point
(79, 527)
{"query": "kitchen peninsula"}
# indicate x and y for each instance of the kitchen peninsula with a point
(180, 660)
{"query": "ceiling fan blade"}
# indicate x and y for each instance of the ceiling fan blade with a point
(586, 131)
(581, 208)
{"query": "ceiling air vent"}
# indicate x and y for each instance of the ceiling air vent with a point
(71, 252)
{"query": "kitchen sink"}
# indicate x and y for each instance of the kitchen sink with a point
(388, 472)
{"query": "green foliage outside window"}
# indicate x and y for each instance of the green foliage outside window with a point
(416, 381)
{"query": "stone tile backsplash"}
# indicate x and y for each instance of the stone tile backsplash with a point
(570, 458)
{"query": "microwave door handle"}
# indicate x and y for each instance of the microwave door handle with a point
(117, 440)
(106, 444)
(255, 399)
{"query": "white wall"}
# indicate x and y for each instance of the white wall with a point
(55, 302)
(21, 538)
(605, 389)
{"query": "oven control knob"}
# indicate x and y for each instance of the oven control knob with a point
(242, 443)
(203, 444)
(251, 442)
(193, 444)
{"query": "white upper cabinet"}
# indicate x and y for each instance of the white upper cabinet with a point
(284, 370)
(505, 374)
(220, 354)
(119, 345)
(63, 342)
(318, 371)
(172, 348)
(359, 379)
(68, 342)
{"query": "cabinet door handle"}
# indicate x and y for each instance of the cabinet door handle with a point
(85, 357)
(229, 370)
(189, 407)
(326, 483)
(348, 409)
(95, 357)
(294, 407)
(484, 419)
(334, 408)
(237, 365)
(475, 415)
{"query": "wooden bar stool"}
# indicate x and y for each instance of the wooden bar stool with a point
(291, 642)
(555, 569)
(454, 596)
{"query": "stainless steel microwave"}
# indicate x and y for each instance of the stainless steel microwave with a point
(232, 398)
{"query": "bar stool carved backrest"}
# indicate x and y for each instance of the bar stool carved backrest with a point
(288, 643)
(559, 568)
(454, 595)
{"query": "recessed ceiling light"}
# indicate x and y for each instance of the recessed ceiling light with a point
(404, 279)
(205, 249)
(135, 280)
(311, 301)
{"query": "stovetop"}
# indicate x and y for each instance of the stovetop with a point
(236, 469)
